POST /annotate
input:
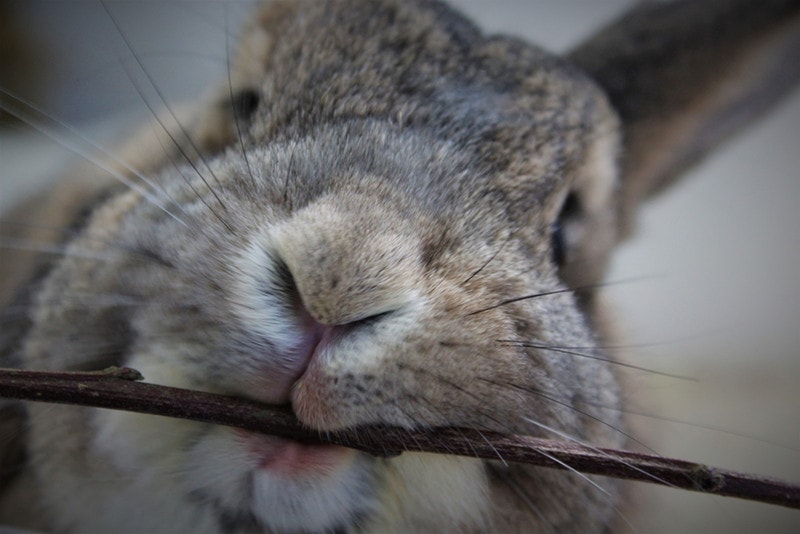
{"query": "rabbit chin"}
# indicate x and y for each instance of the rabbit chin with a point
(280, 484)
(216, 479)
(244, 480)
(308, 488)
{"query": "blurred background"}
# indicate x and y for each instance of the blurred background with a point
(709, 288)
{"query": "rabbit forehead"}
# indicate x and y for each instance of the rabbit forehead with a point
(524, 115)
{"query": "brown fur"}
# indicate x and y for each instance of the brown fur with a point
(398, 186)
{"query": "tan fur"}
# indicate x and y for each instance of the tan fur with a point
(362, 255)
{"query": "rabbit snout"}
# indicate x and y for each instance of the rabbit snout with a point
(309, 299)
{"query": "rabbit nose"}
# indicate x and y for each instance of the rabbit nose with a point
(345, 265)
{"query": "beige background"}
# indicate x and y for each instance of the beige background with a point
(710, 287)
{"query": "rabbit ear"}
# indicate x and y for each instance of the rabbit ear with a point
(684, 75)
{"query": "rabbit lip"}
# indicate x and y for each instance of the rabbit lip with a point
(290, 458)
(276, 381)
(293, 459)
(320, 338)
(311, 398)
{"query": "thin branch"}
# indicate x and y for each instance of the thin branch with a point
(120, 388)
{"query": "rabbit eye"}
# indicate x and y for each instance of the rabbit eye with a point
(245, 103)
(558, 235)
(558, 244)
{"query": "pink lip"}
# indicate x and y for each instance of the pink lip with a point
(274, 383)
(320, 338)
(285, 457)
(291, 459)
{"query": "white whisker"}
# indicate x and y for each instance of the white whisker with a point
(186, 136)
(59, 250)
(85, 154)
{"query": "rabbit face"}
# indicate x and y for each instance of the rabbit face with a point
(356, 295)
(384, 217)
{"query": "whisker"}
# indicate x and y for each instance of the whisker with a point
(475, 453)
(213, 22)
(580, 475)
(482, 412)
(489, 443)
(554, 292)
(665, 418)
(628, 346)
(287, 200)
(570, 406)
(430, 407)
(63, 236)
(169, 109)
(490, 260)
(233, 103)
(481, 402)
(567, 437)
(180, 150)
(74, 148)
(93, 301)
(711, 428)
(560, 350)
(524, 297)
(58, 250)
(90, 300)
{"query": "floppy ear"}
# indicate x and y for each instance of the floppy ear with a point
(684, 75)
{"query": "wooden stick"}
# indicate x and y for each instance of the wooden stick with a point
(121, 389)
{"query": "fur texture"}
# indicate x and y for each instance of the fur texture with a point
(401, 221)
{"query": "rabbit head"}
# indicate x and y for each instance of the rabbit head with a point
(399, 221)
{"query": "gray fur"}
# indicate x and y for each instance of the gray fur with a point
(400, 181)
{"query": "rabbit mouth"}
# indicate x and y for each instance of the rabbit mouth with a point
(276, 484)
(288, 458)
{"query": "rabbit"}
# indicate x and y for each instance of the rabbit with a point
(384, 216)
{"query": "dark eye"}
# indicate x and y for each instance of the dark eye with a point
(245, 103)
(558, 244)
(558, 234)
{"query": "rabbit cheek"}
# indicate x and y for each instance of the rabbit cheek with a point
(332, 393)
